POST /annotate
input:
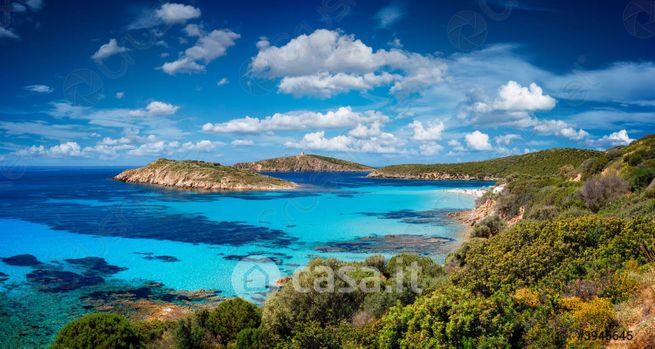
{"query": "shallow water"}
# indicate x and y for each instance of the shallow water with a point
(189, 241)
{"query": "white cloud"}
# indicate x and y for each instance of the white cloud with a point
(107, 50)
(155, 108)
(242, 142)
(207, 48)
(326, 85)
(223, 82)
(120, 95)
(7, 33)
(194, 30)
(430, 149)
(613, 139)
(343, 143)
(172, 13)
(318, 141)
(456, 146)
(45, 89)
(506, 139)
(430, 133)
(300, 120)
(477, 140)
(67, 149)
(336, 62)
(514, 97)
(389, 15)
(560, 128)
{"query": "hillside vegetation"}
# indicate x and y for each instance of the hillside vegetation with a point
(564, 259)
(200, 175)
(303, 163)
(541, 162)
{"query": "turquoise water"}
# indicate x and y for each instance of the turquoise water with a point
(190, 241)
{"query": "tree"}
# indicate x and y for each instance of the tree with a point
(98, 330)
(231, 316)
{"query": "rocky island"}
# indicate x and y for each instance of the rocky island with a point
(202, 176)
(303, 163)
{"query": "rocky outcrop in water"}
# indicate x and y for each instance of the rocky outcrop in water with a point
(201, 176)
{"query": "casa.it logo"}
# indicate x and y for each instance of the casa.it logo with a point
(254, 275)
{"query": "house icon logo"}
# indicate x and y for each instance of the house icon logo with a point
(254, 275)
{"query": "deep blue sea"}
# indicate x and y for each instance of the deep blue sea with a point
(71, 237)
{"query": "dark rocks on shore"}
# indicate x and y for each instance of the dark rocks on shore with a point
(168, 259)
(95, 266)
(56, 281)
(404, 243)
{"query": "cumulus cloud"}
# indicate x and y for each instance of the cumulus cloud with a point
(107, 50)
(325, 85)
(613, 139)
(514, 97)
(325, 63)
(223, 82)
(172, 13)
(67, 149)
(430, 149)
(429, 133)
(477, 140)
(45, 89)
(120, 95)
(155, 108)
(560, 128)
(207, 48)
(299, 120)
(346, 143)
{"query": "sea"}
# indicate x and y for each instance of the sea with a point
(74, 241)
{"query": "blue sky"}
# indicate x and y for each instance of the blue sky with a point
(125, 82)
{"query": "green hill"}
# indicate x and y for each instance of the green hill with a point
(303, 163)
(537, 163)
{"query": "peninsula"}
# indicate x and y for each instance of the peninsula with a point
(541, 162)
(202, 176)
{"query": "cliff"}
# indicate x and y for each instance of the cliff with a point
(202, 176)
(303, 163)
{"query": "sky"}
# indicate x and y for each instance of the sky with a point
(379, 82)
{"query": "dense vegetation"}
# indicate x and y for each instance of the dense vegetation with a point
(303, 163)
(577, 270)
(542, 162)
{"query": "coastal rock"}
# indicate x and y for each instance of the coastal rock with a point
(201, 176)
(433, 176)
(303, 163)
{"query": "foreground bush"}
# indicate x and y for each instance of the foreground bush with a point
(598, 192)
(101, 331)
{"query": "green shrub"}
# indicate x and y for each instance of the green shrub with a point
(231, 316)
(253, 338)
(189, 335)
(488, 227)
(99, 330)
(641, 178)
